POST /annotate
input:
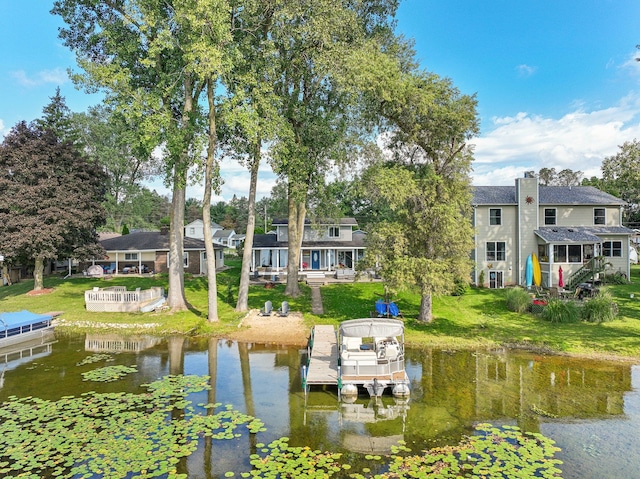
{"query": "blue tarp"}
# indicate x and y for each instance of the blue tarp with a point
(21, 318)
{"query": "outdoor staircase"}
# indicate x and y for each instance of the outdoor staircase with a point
(587, 271)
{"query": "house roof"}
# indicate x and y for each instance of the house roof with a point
(223, 233)
(270, 241)
(148, 241)
(341, 221)
(579, 234)
(549, 195)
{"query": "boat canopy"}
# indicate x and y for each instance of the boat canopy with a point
(371, 327)
(21, 318)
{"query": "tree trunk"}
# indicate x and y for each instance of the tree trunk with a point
(175, 295)
(38, 274)
(243, 292)
(295, 240)
(206, 210)
(425, 315)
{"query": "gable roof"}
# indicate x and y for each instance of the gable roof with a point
(148, 241)
(549, 195)
(329, 222)
(223, 233)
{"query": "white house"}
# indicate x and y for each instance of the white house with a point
(327, 246)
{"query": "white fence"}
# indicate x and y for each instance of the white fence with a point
(118, 299)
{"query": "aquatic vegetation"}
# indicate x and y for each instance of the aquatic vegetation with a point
(492, 453)
(95, 358)
(108, 373)
(112, 435)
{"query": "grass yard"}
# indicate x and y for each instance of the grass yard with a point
(479, 318)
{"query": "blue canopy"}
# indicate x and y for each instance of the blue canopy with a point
(21, 318)
(381, 307)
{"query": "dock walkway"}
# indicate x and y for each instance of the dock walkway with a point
(323, 358)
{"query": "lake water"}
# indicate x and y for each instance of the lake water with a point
(590, 408)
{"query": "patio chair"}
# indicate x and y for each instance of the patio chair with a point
(284, 309)
(268, 308)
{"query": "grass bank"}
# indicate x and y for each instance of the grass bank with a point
(477, 319)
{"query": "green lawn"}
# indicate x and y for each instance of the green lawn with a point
(476, 319)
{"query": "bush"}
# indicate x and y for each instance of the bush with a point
(460, 288)
(615, 278)
(558, 311)
(518, 300)
(600, 309)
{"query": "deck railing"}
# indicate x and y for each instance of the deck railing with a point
(118, 299)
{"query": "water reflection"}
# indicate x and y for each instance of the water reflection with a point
(451, 391)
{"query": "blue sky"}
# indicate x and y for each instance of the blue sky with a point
(556, 81)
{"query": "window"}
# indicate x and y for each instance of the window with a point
(495, 216)
(599, 216)
(612, 248)
(575, 253)
(192, 231)
(560, 253)
(496, 251)
(131, 256)
(186, 259)
(334, 232)
(549, 216)
(563, 253)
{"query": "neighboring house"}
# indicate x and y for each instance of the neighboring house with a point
(195, 229)
(149, 251)
(221, 236)
(325, 247)
(565, 226)
(224, 238)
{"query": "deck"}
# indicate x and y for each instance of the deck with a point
(323, 357)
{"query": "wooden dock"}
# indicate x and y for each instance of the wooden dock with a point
(323, 357)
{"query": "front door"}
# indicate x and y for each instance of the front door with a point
(315, 259)
(496, 279)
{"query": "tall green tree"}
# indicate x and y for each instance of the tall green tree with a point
(427, 123)
(110, 140)
(51, 199)
(153, 59)
(58, 117)
(621, 177)
(312, 37)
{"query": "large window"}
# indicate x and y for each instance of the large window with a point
(496, 251)
(599, 216)
(563, 253)
(612, 248)
(549, 216)
(495, 216)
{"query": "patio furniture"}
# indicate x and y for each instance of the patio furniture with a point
(268, 308)
(284, 309)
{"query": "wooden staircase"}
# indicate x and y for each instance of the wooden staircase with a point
(586, 272)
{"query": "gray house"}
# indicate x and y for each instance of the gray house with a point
(565, 226)
(149, 251)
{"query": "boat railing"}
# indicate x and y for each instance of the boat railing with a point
(370, 365)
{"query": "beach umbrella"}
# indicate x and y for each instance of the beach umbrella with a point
(560, 279)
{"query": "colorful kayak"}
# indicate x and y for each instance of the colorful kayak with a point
(537, 272)
(528, 271)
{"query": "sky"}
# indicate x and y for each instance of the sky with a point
(556, 81)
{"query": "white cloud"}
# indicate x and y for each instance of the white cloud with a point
(56, 76)
(580, 140)
(2, 129)
(525, 70)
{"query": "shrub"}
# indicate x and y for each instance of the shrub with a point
(460, 288)
(600, 309)
(518, 300)
(481, 280)
(558, 311)
(615, 278)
